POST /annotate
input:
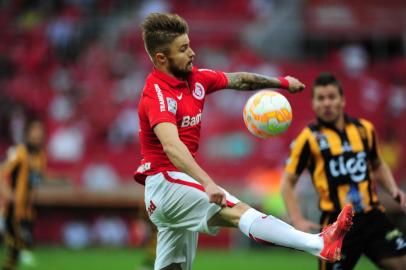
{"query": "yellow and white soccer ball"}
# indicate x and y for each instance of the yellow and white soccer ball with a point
(267, 113)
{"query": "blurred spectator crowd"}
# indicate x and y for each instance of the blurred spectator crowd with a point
(79, 65)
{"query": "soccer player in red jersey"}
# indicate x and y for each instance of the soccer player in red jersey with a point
(181, 198)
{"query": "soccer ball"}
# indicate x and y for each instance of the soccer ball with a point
(267, 113)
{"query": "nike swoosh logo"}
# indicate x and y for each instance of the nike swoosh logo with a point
(180, 96)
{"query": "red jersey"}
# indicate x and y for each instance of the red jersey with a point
(167, 99)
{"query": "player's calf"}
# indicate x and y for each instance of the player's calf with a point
(267, 229)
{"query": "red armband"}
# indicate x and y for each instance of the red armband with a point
(284, 83)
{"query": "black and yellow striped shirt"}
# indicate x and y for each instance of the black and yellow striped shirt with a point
(24, 170)
(339, 163)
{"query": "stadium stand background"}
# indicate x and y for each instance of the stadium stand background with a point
(79, 65)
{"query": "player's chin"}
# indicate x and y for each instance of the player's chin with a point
(187, 70)
(329, 118)
(189, 67)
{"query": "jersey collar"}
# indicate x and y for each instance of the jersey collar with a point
(347, 120)
(172, 81)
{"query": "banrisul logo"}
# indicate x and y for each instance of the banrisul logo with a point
(190, 121)
(355, 167)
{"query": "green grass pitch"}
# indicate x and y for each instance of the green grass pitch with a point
(51, 258)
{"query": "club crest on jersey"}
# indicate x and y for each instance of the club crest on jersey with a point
(199, 91)
(347, 147)
(322, 140)
(172, 105)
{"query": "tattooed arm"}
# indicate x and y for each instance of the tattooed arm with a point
(251, 81)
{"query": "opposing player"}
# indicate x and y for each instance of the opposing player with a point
(181, 198)
(19, 175)
(342, 156)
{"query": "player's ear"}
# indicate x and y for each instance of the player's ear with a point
(160, 58)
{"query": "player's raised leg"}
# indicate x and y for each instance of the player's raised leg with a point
(267, 229)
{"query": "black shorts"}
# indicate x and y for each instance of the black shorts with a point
(18, 234)
(372, 235)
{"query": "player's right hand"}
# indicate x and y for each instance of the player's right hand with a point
(305, 225)
(216, 194)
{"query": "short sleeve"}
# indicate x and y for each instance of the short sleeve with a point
(300, 154)
(213, 80)
(159, 107)
(373, 145)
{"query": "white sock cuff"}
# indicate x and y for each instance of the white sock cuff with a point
(247, 219)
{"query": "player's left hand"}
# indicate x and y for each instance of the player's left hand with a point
(400, 197)
(294, 85)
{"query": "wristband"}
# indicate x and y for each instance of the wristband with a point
(284, 83)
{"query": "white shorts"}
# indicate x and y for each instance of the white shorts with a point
(179, 207)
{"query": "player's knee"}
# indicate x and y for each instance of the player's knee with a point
(229, 216)
(173, 266)
(394, 263)
(401, 263)
(240, 208)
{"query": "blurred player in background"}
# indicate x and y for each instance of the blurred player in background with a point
(147, 262)
(343, 158)
(20, 174)
(181, 198)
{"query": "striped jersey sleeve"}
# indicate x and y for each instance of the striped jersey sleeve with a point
(299, 154)
(373, 146)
